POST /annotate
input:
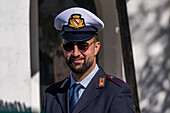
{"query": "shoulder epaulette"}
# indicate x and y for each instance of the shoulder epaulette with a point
(117, 80)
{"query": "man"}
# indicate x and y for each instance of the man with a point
(88, 89)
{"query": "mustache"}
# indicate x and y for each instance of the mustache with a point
(72, 58)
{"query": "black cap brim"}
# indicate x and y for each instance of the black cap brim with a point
(77, 37)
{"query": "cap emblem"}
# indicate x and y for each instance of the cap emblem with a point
(76, 21)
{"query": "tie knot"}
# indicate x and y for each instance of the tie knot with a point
(76, 87)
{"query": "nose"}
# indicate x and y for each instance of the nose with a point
(76, 51)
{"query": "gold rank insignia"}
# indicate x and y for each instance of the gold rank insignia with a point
(101, 81)
(76, 21)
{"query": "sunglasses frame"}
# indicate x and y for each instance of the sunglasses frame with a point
(71, 48)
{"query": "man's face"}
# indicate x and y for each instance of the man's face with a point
(78, 58)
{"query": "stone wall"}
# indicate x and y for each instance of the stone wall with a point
(15, 73)
(150, 31)
(19, 67)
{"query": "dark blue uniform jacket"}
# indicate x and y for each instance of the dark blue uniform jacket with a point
(111, 95)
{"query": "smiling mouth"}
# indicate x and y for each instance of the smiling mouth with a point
(77, 60)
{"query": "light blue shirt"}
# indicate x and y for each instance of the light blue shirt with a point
(84, 82)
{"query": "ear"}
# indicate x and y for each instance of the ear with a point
(97, 47)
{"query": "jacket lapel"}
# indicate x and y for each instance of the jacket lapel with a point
(87, 97)
(63, 96)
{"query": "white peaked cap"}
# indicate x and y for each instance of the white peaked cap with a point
(90, 20)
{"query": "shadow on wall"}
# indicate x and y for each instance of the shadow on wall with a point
(13, 107)
(152, 45)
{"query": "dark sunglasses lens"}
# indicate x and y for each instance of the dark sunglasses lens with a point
(83, 46)
(68, 46)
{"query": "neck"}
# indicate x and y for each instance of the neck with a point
(80, 76)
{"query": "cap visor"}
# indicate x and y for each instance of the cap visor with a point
(76, 37)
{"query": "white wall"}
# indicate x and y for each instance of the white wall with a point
(149, 24)
(34, 42)
(15, 72)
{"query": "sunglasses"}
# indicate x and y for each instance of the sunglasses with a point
(82, 46)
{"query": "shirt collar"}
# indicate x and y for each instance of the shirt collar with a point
(86, 80)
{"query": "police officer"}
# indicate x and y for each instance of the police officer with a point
(88, 89)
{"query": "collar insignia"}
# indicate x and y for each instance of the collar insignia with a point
(101, 81)
(76, 21)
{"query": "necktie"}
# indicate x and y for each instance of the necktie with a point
(75, 96)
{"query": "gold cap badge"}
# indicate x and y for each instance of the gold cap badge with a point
(76, 21)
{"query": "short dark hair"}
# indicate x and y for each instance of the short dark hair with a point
(96, 38)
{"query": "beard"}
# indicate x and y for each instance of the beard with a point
(83, 67)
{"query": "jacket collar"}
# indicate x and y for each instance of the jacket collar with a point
(87, 97)
(63, 95)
